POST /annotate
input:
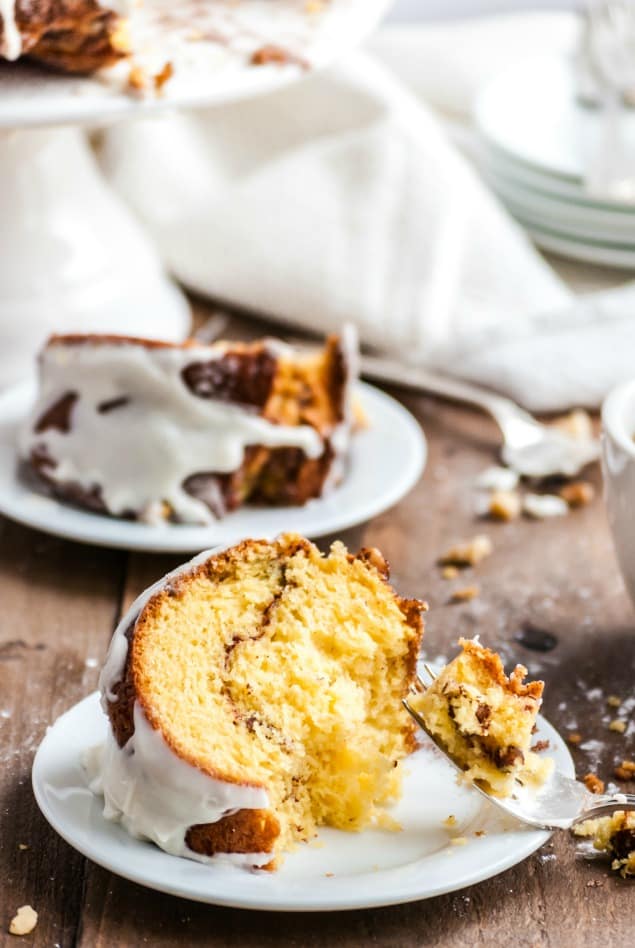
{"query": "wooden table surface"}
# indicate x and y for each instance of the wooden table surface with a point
(59, 602)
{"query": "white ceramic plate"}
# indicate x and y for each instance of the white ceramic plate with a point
(343, 871)
(530, 113)
(568, 219)
(387, 459)
(209, 46)
(503, 166)
(622, 259)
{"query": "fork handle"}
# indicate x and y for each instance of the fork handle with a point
(607, 803)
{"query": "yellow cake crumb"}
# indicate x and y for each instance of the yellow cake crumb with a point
(504, 505)
(468, 552)
(450, 571)
(613, 701)
(465, 594)
(458, 841)
(24, 921)
(618, 725)
(450, 820)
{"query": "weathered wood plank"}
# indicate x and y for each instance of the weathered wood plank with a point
(58, 602)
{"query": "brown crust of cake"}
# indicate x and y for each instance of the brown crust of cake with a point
(247, 828)
(494, 667)
(77, 36)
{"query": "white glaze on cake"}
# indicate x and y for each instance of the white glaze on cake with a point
(157, 796)
(146, 787)
(140, 453)
(11, 46)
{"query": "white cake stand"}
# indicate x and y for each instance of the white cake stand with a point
(72, 257)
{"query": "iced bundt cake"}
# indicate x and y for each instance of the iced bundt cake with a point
(254, 695)
(485, 720)
(73, 35)
(187, 432)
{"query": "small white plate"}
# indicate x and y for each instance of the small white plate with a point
(387, 459)
(339, 871)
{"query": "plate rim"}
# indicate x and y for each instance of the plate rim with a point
(515, 855)
(164, 542)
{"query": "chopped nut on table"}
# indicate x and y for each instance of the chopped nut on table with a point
(543, 506)
(468, 552)
(465, 594)
(24, 921)
(504, 505)
(618, 725)
(578, 494)
(625, 770)
(593, 783)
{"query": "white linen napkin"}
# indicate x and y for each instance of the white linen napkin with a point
(341, 198)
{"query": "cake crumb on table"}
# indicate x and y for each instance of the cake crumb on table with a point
(593, 783)
(613, 701)
(578, 494)
(574, 738)
(504, 505)
(465, 594)
(468, 552)
(24, 921)
(625, 770)
(450, 572)
(544, 506)
(618, 725)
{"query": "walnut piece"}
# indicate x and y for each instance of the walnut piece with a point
(504, 505)
(593, 783)
(468, 552)
(24, 921)
(578, 494)
(626, 770)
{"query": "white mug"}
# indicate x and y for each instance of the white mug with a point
(618, 466)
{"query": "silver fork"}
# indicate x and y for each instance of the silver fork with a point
(529, 447)
(559, 804)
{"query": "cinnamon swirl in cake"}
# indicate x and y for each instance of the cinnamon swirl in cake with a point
(254, 695)
(77, 36)
(188, 432)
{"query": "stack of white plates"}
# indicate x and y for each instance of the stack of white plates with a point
(536, 140)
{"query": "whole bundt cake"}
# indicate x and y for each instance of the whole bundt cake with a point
(254, 695)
